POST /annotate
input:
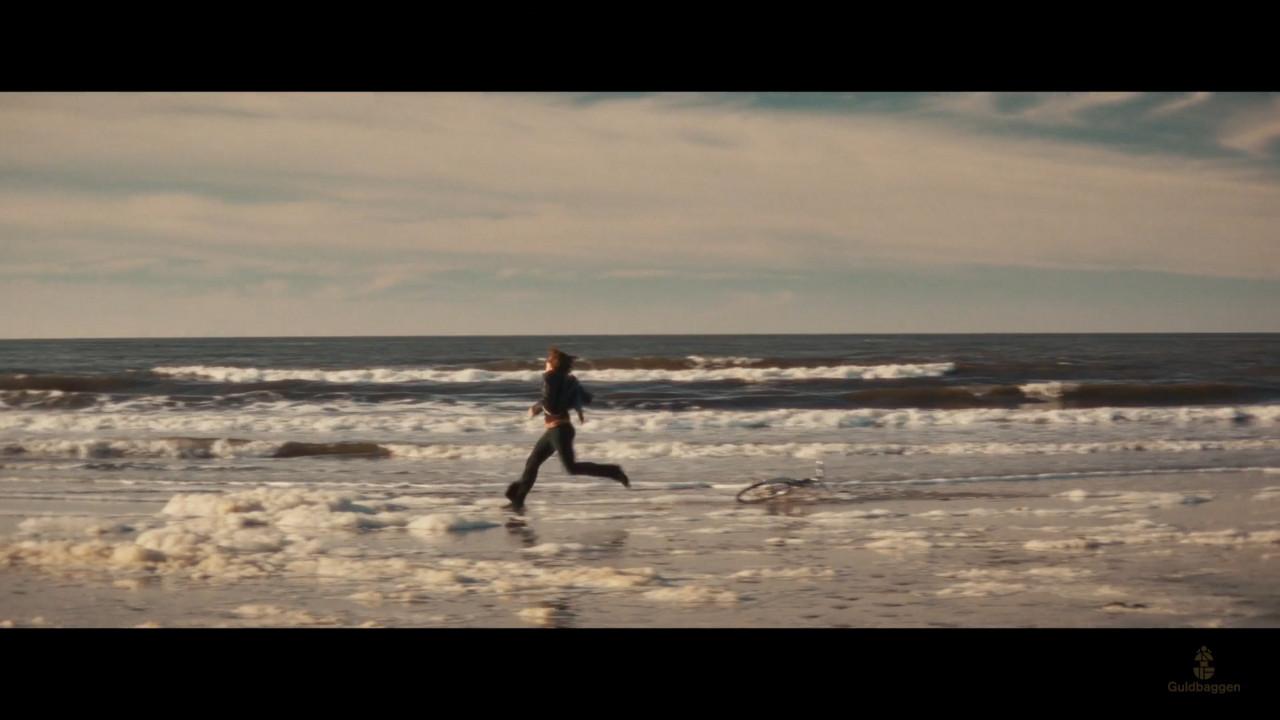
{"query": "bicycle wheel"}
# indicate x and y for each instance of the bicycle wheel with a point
(764, 491)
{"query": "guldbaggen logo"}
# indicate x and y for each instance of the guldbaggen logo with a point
(1203, 669)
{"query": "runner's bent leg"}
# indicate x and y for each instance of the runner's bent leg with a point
(563, 442)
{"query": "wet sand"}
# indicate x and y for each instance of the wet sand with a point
(1156, 550)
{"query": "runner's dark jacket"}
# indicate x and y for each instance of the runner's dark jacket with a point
(561, 392)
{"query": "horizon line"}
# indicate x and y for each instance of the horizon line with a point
(595, 335)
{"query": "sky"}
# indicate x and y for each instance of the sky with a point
(285, 214)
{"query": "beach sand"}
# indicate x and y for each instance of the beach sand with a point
(1179, 549)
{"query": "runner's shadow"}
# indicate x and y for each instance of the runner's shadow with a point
(606, 543)
(522, 534)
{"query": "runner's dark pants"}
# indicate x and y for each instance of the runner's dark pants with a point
(559, 439)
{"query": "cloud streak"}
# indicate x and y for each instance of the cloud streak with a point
(1178, 105)
(1070, 108)
(1255, 133)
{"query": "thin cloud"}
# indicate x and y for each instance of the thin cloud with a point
(509, 273)
(1255, 133)
(1071, 108)
(1038, 109)
(976, 103)
(1180, 104)
(654, 273)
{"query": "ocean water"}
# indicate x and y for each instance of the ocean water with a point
(379, 464)
(449, 409)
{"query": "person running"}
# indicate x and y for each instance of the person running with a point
(561, 392)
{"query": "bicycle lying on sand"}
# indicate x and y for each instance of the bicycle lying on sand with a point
(780, 487)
